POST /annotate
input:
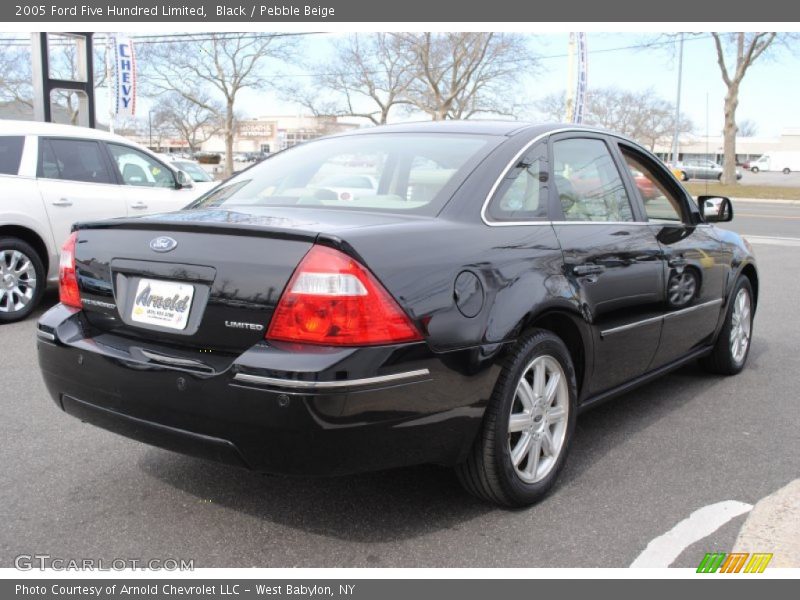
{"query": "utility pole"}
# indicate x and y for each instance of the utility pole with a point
(676, 133)
(150, 128)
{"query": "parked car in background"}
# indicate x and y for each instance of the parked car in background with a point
(700, 169)
(53, 176)
(785, 162)
(203, 180)
(349, 187)
(501, 278)
(255, 157)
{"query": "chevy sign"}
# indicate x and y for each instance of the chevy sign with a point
(125, 76)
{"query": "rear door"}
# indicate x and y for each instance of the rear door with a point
(149, 186)
(76, 181)
(696, 263)
(612, 259)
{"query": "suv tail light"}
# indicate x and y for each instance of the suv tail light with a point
(68, 292)
(333, 300)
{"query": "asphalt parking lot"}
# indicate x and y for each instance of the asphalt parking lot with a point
(639, 465)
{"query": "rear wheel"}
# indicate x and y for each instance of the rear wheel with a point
(22, 279)
(733, 345)
(684, 177)
(527, 427)
(754, 169)
(787, 171)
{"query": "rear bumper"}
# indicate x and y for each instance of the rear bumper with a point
(304, 411)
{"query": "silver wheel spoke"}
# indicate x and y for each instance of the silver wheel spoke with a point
(539, 375)
(519, 422)
(534, 454)
(552, 387)
(521, 449)
(548, 445)
(554, 415)
(525, 393)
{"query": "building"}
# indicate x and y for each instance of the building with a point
(274, 133)
(711, 147)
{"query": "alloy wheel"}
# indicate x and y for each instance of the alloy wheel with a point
(740, 326)
(537, 423)
(17, 281)
(682, 288)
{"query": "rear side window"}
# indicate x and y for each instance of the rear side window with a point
(588, 183)
(73, 160)
(523, 194)
(10, 153)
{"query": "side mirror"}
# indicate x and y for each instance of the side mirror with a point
(182, 180)
(716, 209)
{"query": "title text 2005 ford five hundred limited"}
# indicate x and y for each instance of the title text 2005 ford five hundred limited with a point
(460, 296)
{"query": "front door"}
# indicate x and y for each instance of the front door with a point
(611, 256)
(149, 185)
(696, 263)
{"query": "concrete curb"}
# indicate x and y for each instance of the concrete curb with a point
(774, 526)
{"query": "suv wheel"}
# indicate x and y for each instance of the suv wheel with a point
(22, 279)
(528, 425)
(733, 344)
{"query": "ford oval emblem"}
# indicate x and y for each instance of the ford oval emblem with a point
(163, 244)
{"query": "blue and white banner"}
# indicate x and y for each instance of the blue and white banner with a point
(124, 77)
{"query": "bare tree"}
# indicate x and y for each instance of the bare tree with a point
(642, 116)
(457, 75)
(747, 128)
(191, 121)
(736, 53)
(15, 76)
(222, 63)
(367, 77)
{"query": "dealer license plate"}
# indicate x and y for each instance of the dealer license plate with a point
(163, 303)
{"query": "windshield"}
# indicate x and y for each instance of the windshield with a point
(195, 171)
(397, 172)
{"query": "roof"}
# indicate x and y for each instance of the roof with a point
(477, 127)
(11, 127)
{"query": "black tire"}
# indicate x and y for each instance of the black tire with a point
(684, 177)
(787, 171)
(719, 177)
(754, 169)
(722, 360)
(7, 314)
(488, 471)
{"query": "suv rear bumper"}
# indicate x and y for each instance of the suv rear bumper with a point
(347, 410)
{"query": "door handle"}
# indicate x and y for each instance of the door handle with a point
(588, 269)
(139, 206)
(62, 202)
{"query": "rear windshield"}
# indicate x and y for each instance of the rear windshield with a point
(393, 172)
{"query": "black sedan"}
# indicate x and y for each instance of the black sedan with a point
(496, 280)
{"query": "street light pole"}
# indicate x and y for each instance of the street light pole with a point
(676, 133)
(150, 127)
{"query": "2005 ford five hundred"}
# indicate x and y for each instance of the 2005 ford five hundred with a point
(452, 293)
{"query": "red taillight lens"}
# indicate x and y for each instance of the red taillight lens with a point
(67, 278)
(333, 300)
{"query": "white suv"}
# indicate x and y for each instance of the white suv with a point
(52, 176)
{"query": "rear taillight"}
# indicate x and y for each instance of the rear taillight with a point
(333, 300)
(67, 278)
